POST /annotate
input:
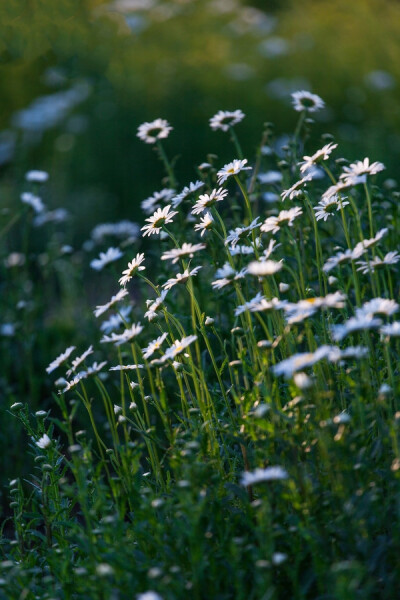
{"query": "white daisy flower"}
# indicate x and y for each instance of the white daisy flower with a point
(122, 230)
(156, 130)
(79, 360)
(73, 382)
(355, 253)
(272, 246)
(391, 329)
(150, 204)
(33, 201)
(181, 278)
(36, 176)
(372, 241)
(207, 200)
(285, 217)
(360, 322)
(260, 475)
(225, 119)
(339, 258)
(105, 258)
(187, 190)
(244, 250)
(133, 267)
(305, 308)
(178, 346)
(206, 222)
(154, 345)
(120, 338)
(318, 156)
(232, 168)
(114, 322)
(303, 100)
(335, 189)
(391, 258)
(247, 306)
(94, 368)
(187, 250)
(357, 171)
(235, 235)
(120, 295)
(60, 359)
(338, 355)
(227, 275)
(266, 305)
(262, 268)
(326, 207)
(300, 361)
(158, 219)
(154, 305)
(378, 306)
(126, 367)
(294, 191)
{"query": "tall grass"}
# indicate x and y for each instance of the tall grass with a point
(240, 397)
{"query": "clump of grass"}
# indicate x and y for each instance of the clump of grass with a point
(242, 408)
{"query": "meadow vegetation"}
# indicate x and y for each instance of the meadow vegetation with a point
(199, 308)
(226, 423)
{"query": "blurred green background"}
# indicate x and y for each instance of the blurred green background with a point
(77, 77)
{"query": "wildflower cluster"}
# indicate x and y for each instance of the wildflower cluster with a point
(235, 378)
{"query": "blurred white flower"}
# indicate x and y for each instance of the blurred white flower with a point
(33, 201)
(120, 295)
(60, 359)
(186, 250)
(260, 475)
(150, 204)
(35, 176)
(225, 119)
(303, 100)
(105, 258)
(44, 442)
(262, 268)
(187, 190)
(156, 130)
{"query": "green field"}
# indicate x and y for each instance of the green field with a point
(199, 300)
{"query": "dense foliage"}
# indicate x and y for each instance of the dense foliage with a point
(237, 435)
